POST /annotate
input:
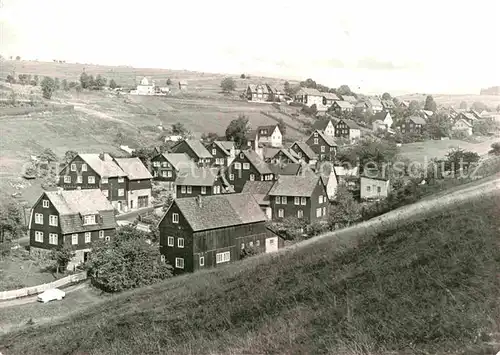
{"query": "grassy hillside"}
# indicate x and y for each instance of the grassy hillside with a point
(430, 287)
(492, 101)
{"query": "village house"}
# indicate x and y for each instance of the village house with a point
(304, 197)
(374, 186)
(309, 97)
(276, 93)
(166, 166)
(469, 117)
(361, 107)
(342, 107)
(223, 152)
(195, 150)
(144, 87)
(462, 125)
(388, 105)
(326, 126)
(286, 169)
(201, 181)
(247, 166)
(101, 171)
(404, 104)
(304, 152)
(260, 191)
(328, 174)
(203, 232)
(270, 135)
(347, 129)
(257, 92)
(324, 146)
(413, 124)
(386, 121)
(76, 218)
(347, 175)
(349, 98)
(375, 105)
(285, 156)
(329, 99)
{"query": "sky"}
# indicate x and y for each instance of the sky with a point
(424, 46)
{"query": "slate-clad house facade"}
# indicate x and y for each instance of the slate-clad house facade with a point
(322, 145)
(167, 166)
(413, 124)
(347, 129)
(247, 166)
(75, 217)
(304, 197)
(209, 231)
(285, 156)
(195, 150)
(139, 182)
(304, 152)
(201, 181)
(223, 152)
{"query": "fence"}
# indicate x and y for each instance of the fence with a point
(14, 111)
(33, 290)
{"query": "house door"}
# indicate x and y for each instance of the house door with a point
(142, 201)
(86, 256)
(271, 244)
(131, 204)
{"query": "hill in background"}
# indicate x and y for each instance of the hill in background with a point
(430, 287)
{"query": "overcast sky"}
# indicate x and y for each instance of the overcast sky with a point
(426, 46)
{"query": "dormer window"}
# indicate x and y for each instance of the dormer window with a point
(89, 219)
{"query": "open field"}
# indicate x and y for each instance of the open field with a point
(421, 280)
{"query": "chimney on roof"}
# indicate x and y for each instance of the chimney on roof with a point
(198, 200)
(101, 156)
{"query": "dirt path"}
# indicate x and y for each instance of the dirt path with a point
(82, 108)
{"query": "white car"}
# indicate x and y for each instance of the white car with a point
(51, 295)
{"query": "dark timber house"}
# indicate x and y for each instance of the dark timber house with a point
(195, 150)
(323, 145)
(207, 231)
(304, 152)
(167, 166)
(247, 166)
(76, 218)
(201, 181)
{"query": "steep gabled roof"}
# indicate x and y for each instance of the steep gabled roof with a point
(219, 211)
(349, 98)
(381, 115)
(308, 152)
(286, 169)
(290, 154)
(467, 122)
(134, 168)
(374, 102)
(260, 165)
(328, 140)
(344, 104)
(330, 96)
(269, 129)
(106, 167)
(309, 91)
(351, 124)
(197, 147)
(417, 120)
(322, 123)
(73, 204)
(225, 146)
(197, 176)
(179, 160)
(259, 190)
(301, 186)
(388, 104)
(269, 152)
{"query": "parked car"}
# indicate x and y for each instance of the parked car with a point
(51, 295)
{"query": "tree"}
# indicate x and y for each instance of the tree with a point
(386, 96)
(485, 126)
(70, 155)
(18, 58)
(100, 82)
(439, 126)
(12, 223)
(36, 79)
(430, 104)
(345, 210)
(209, 137)
(367, 151)
(178, 129)
(463, 105)
(237, 130)
(112, 84)
(84, 80)
(62, 256)
(91, 84)
(47, 155)
(414, 106)
(48, 87)
(459, 158)
(495, 149)
(11, 79)
(479, 106)
(344, 90)
(169, 82)
(65, 85)
(57, 84)
(127, 261)
(144, 154)
(242, 76)
(282, 126)
(228, 84)
(308, 83)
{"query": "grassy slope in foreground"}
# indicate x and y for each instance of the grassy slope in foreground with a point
(430, 286)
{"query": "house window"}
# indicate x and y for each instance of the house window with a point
(216, 190)
(73, 167)
(322, 149)
(67, 179)
(246, 166)
(379, 189)
(53, 220)
(162, 258)
(231, 176)
(45, 203)
(324, 211)
(320, 199)
(283, 200)
(91, 180)
(106, 193)
(237, 166)
(74, 239)
(189, 189)
(53, 238)
(84, 167)
(303, 201)
(368, 189)
(121, 192)
(257, 243)
(101, 234)
(156, 164)
(281, 213)
(203, 190)
(223, 257)
(38, 237)
(214, 152)
(38, 218)
(183, 189)
(278, 200)
(300, 214)
(164, 164)
(250, 244)
(315, 134)
(179, 263)
(170, 241)
(180, 242)
(296, 201)
(89, 220)
(316, 141)
(104, 180)
(175, 218)
(169, 174)
(202, 261)
(242, 246)
(155, 173)
(252, 177)
(121, 179)
(107, 238)
(88, 237)
(79, 179)
(318, 212)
